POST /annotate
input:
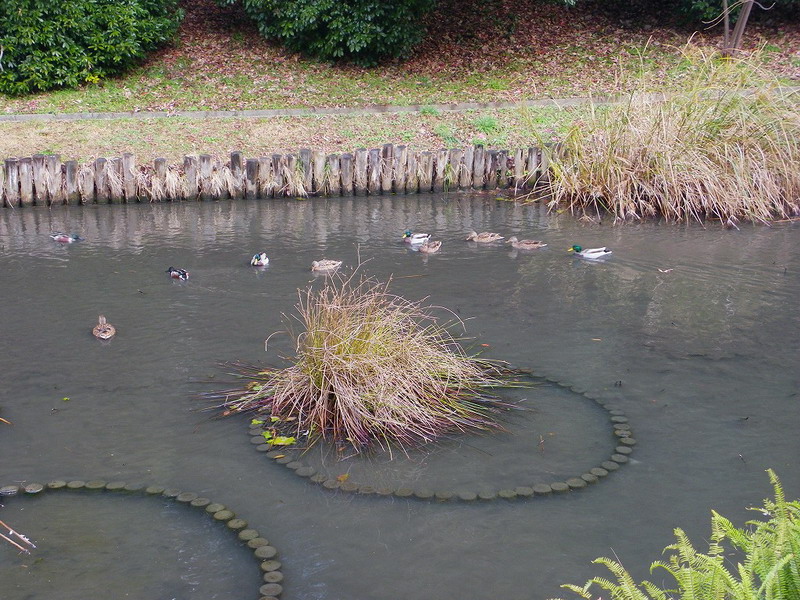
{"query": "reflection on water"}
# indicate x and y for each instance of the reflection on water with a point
(694, 331)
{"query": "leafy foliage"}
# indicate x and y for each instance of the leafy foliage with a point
(362, 31)
(48, 45)
(699, 10)
(770, 571)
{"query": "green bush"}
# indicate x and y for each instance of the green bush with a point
(361, 31)
(48, 44)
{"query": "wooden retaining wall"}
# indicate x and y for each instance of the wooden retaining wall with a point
(43, 180)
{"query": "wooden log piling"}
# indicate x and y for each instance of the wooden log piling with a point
(11, 190)
(374, 170)
(44, 180)
(26, 182)
(71, 191)
(346, 164)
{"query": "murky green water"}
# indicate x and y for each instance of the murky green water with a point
(695, 331)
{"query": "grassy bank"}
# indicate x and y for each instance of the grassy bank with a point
(534, 51)
(175, 137)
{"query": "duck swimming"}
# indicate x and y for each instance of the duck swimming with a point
(430, 247)
(415, 238)
(525, 244)
(259, 260)
(181, 274)
(65, 238)
(483, 238)
(590, 253)
(325, 265)
(103, 330)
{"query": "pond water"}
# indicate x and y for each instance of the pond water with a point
(693, 332)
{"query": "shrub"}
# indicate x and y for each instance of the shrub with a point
(361, 31)
(48, 45)
(371, 368)
(770, 570)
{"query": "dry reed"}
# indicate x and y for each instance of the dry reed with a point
(372, 368)
(710, 151)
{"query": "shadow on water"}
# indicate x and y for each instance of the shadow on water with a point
(693, 332)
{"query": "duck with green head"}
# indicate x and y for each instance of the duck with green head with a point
(590, 253)
(415, 238)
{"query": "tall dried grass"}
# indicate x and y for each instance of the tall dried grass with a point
(713, 150)
(372, 368)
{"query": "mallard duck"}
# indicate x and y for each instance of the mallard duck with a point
(590, 253)
(430, 247)
(65, 238)
(415, 238)
(103, 330)
(325, 265)
(259, 260)
(181, 274)
(483, 238)
(525, 244)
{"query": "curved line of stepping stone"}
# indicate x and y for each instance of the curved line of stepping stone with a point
(290, 456)
(263, 551)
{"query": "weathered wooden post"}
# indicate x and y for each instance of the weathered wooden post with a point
(265, 181)
(295, 177)
(278, 165)
(544, 161)
(439, 184)
(425, 172)
(502, 169)
(374, 170)
(453, 173)
(360, 175)
(387, 168)
(206, 171)
(318, 161)
(333, 183)
(190, 187)
(490, 173)
(237, 173)
(86, 184)
(11, 190)
(159, 180)
(73, 196)
(399, 168)
(115, 181)
(129, 177)
(531, 167)
(305, 164)
(25, 181)
(519, 168)
(465, 175)
(55, 190)
(39, 176)
(100, 181)
(347, 174)
(478, 168)
(412, 173)
(251, 179)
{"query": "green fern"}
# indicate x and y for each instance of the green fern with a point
(770, 571)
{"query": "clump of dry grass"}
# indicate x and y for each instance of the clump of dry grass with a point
(372, 368)
(712, 150)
